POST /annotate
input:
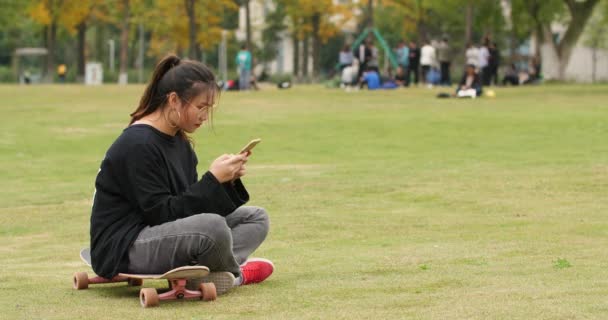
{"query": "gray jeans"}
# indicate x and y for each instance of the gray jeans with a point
(244, 79)
(220, 243)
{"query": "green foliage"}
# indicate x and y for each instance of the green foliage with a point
(16, 30)
(230, 18)
(561, 263)
(529, 15)
(391, 24)
(7, 75)
(596, 32)
(330, 51)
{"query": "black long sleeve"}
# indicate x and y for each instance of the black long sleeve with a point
(149, 178)
(151, 190)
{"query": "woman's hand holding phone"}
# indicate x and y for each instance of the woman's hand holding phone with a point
(228, 167)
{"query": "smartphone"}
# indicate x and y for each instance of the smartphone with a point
(250, 145)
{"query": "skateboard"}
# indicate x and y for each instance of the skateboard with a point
(149, 297)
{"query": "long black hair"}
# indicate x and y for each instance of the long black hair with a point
(187, 78)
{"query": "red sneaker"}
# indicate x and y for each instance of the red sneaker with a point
(256, 270)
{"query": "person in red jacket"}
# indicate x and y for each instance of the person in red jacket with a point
(151, 211)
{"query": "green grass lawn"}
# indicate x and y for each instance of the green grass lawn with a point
(384, 205)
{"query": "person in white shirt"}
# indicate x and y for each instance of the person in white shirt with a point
(346, 57)
(472, 55)
(428, 59)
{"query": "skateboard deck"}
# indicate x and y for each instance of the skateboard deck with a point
(148, 296)
(186, 272)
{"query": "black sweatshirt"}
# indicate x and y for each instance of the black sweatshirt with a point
(148, 178)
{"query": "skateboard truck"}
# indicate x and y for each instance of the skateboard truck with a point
(149, 297)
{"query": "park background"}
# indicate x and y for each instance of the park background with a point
(384, 205)
(296, 40)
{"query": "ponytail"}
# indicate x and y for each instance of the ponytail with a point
(151, 99)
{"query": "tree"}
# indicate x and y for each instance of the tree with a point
(46, 13)
(297, 30)
(275, 25)
(70, 15)
(195, 50)
(170, 32)
(248, 23)
(124, 6)
(397, 20)
(414, 14)
(316, 20)
(16, 31)
(572, 13)
(76, 21)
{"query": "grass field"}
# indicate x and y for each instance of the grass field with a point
(383, 205)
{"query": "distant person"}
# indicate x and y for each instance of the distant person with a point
(443, 55)
(349, 76)
(401, 77)
(244, 62)
(403, 59)
(428, 59)
(364, 55)
(433, 77)
(484, 57)
(534, 68)
(253, 82)
(472, 55)
(27, 77)
(373, 61)
(470, 84)
(346, 57)
(511, 76)
(152, 211)
(493, 64)
(414, 62)
(61, 72)
(371, 79)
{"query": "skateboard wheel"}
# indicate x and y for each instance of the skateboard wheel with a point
(148, 297)
(208, 291)
(133, 282)
(81, 280)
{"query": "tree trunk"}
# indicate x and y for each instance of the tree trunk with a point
(370, 13)
(296, 55)
(316, 45)
(82, 30)
(140, 55)
(99, 42)
(421, 32)
(248, 25)
(124, 44)
(50, 46)
(468, 23)
(420, 24)
(305, 56)
(194, 51)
